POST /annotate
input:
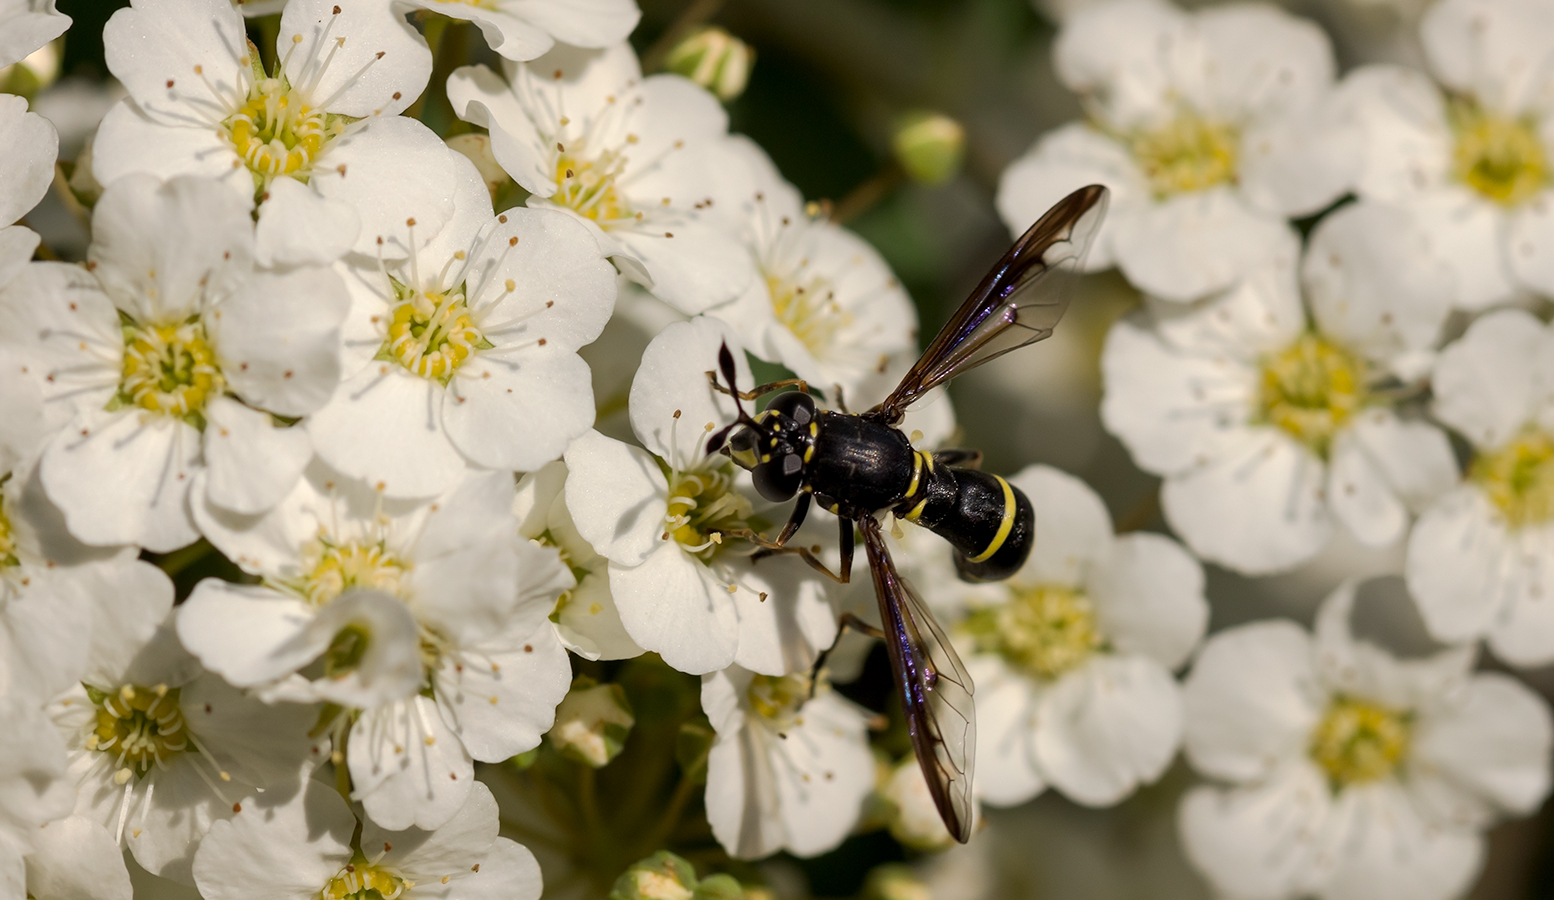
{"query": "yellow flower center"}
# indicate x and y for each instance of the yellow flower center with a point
(169, 369)
(1519, 478)
(590, 187)
(1358, 741)
(779, 699)
(1310, 389)
(809, 310)
(335, 568)
(8, 557)
(277, 133)
(1189, 154)
(433, 334)
(140, 727)
(702, 506)
(1501, 158)
(1043, 631)
(361, 880)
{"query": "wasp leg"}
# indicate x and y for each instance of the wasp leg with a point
(846, 546)
(970, 459)
(759, 390)
(800, 510)
(848, 620)
(841, 402)
(780, 546)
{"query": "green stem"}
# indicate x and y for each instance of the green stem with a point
(867, 195)
(671, 817)
(588, 800)
(178, 560)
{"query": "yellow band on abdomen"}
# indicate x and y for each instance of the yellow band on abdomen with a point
(1004, 527)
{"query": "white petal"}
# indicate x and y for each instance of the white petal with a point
(824, 772)
(504, 699)
(1354, 667)
(159, 249)
(1262, 841)
(1382, 468)
(298, 226)
(1389, 852)
(355, 60)
(508, 872)
(563, 289)
(672, 379)
(1454, 555)
(1194, 244)
(1359, 494)
(1486, 383)
(129, 141)
(277, 853)
(1107, 727)
(75, 859)
(17, 245)
(155, 49)
(1122, 52)
(395, 169)
(582, 23)
(1073, 528)
(248, 634)
(1006, 769)
(28, 28)
(1299, 163)
(407, 767)
(691, 265)
(1251, 701)
(1405, 142)
(741, 796)
(121, 480)
(518, 411)
(1497, 53)
(384, 425)
(617, 498)
(672, 605)
(456, 845)
(1472, 230)
(480, 96)
(590, 624)
(389, 668)
(1523, 633)
(1149, 598)
(1256, 510)
(1257, 62)
(1530, 240)
(28, 143)
(787, 629)
(251, 463)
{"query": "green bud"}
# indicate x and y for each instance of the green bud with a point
(592, 723)
(477, 149)
(32, 74)
(894, 881)
(714, 59)
(662, 876)
(719, 887)
(930, 146)
(525, 759)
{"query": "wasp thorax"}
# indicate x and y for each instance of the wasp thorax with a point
(1311, 389)
(1501, 157)
(702, 507)
(1044, 631)
(140, 727)
(1518, 478)
(169, 369)
(1189, 153)
(778, 700)
(1358, 741)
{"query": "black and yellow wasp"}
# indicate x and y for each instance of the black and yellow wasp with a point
(860, 466)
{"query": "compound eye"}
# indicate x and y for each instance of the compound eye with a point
(779, 479)
(796, 405)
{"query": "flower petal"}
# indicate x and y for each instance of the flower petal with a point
(384, 426)
(504, 699)
(672, 401)
(1195, 244)
(163, 72)
(1006, 769)
(1149, 598)
(28, 144)
(298, 226)
(277, 853)
(248, 634)
(394, 169)
(356, 60)
(425, 855)
(617, 497)
(251, 463)
(1388, 851)
(1487, 384)
(408, 768)
(1073, 528)
(672, 605)
(76, 859)
(518, 411)
(1259, 841)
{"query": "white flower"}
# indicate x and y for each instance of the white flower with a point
(914, 819)
(159, 748)
(585, 616)
(634, 158)
(34, 788)
(660, 517)
(167, 355)
(75, 858)
(1468, 153)
(465, 354)
(307, 849)
(788, 771)
(1267, 425)
(26, 25)
(1201, 125)
(1072, 655)
(316, 142)
(429, 620)
(519, 29)
(28, 144)
(824, 303)
(1351, 774)
(1480, 560)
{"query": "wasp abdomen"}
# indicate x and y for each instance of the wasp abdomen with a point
(986, 519)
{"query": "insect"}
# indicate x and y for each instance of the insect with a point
(860, 466)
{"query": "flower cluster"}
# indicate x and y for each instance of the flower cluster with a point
(360, 536)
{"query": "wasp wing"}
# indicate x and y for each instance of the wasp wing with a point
(935, 687)
(1019, 301)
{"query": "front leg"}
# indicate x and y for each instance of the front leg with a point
(759, 390)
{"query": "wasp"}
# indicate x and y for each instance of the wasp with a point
(860, 466)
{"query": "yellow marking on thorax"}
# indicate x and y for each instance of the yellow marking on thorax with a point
(1004, 527)
(814, 432)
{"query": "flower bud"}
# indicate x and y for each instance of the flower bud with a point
(929, 146)
(34, 73)
(714, 59)
(719, 887)
(662, 876)
(477, 149)
(894, 881)
(916, 822)
(592, 723)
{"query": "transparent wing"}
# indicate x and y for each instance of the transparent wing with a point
(935, 687)
(1019, 301)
